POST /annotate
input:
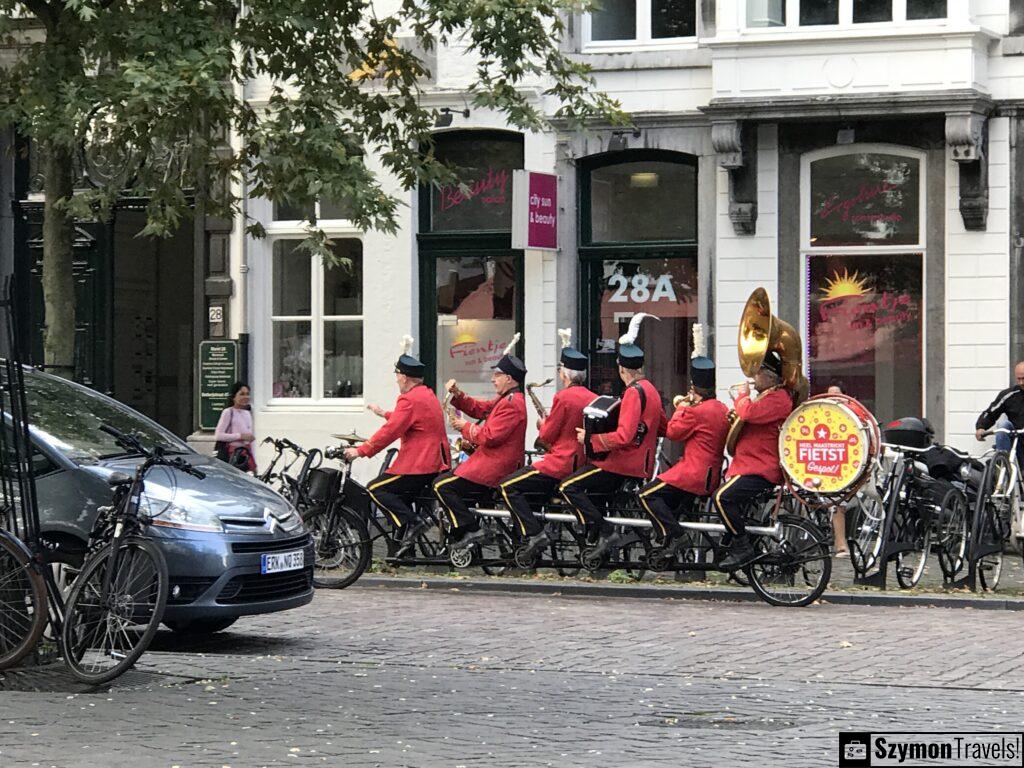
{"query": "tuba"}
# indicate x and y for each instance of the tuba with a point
(760, 331)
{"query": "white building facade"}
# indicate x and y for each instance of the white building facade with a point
(857, 158)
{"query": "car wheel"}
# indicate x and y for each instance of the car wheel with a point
(199, 626)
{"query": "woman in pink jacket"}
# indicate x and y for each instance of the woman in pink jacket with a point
(234, 429)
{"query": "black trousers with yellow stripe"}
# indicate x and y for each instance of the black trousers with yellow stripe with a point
(588, 481)
(395, 494)
(665, 503)
(525, 492)
(456, 495)
(733, 498)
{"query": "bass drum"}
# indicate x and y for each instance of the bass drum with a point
(828, 444)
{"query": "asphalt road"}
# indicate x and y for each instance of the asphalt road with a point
(372, 677)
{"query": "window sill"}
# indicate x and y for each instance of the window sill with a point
(300, 404)
(1013, 45)
(606, 60)
(886, 31)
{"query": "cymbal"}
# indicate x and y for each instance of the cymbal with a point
(351, 437)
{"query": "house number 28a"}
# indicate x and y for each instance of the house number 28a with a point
(638, 289)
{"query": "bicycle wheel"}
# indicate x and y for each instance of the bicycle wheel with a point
(103, 637)
(910, 564)
(341, 546)
(793, 570)
(865, 526)
(991, 520)
(953, 533)
(23, 610)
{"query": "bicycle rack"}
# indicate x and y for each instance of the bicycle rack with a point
(889, 550)
(976, 549)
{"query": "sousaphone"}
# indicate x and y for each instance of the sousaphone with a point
(761, 331)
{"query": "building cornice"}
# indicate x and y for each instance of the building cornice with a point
(845, 105)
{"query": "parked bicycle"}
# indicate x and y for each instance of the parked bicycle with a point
(117, 602)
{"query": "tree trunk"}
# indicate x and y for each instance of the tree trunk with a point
(58, 278)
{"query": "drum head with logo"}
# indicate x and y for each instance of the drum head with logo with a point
(825, 446)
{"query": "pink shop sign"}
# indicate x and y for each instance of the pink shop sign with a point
(534, 210)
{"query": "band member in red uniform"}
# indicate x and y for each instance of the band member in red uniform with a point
(526, 491)
(755, 465)
(701, 422)
(630, 448)
(418, 423)
(500, 442)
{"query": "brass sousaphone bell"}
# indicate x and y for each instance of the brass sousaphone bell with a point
(760, 332)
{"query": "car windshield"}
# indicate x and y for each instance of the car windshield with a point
(68, 419)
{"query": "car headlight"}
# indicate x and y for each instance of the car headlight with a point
(174, 516)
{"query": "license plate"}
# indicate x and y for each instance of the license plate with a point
(281, 561)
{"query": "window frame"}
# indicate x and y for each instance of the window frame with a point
(301, 223)
(806, 250)
(284, 231)
(643, 39)
(845, 24)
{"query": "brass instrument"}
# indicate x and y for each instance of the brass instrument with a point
(687, 399)
(760, 332)
(461, 444)
(541, 410)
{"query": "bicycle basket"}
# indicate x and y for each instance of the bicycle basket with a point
(322, 484)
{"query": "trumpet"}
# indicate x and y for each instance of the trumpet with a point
(688, 399)
(734, 389)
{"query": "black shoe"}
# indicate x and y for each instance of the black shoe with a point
(479, 536)
(741, 554)
(672, 544)
(536, 543)
(410, 532)
(608, 542)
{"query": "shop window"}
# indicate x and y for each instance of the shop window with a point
(640, 21)
(1016, 20)
(864, 199)
(867, 11)
(477, 300)
(642, 201)
(864, 250)
(865, 329)
(483, 161)
(317, 322)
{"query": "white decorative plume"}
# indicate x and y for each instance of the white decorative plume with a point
(700, 344)
(512, 344)
(406, 345)
(629, 337)
(565, 334)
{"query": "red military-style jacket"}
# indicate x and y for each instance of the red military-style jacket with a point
(703, 428)
(500, 440)
(626, 458)
(757, 449)
(418, 422)
(565, 454)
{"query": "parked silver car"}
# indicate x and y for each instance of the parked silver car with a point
(216, 533)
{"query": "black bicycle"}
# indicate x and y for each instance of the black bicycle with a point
(117, 602)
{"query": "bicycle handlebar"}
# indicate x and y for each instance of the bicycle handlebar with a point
(1002, 430)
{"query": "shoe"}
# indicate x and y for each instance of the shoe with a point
(671, 546)
(411, 532)
(479, 536)
(536, 543)
(608, 542)
(741, 554)
(843, 553)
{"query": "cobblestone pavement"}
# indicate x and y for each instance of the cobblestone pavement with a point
(375, 677)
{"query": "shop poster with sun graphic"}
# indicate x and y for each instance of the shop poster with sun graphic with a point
(864, 326)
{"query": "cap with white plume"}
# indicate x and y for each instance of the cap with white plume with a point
(630, 355)
(700, 343)
(571, 358)
(407, 363)
(510, 364)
